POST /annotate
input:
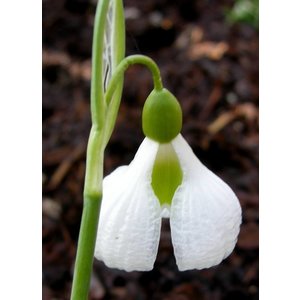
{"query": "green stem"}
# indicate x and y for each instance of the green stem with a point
(112, 104)
(90, 216)
(86, 244)
(123, 66)
(94, 166)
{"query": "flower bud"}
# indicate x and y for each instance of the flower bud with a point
(162, 116)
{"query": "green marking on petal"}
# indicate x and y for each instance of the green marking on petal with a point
(166, 174)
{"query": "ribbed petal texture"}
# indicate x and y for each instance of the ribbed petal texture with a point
(205, 214)
(130, 218)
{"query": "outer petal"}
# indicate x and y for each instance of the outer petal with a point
(130, 221)
(205, 214)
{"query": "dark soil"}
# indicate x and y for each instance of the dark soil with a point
(212, 68)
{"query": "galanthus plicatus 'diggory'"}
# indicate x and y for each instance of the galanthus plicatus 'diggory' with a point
(165, 179)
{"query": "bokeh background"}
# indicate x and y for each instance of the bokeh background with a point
(208, 55)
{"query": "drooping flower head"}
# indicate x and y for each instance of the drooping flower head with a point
(165, 179)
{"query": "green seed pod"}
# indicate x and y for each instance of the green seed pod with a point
(162, 116)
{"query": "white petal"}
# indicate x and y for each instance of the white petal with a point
(130, 221)
(205, 214)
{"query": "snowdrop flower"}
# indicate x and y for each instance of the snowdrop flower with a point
(165, 179)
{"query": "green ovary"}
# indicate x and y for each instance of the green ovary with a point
(162, 116)
(166, 174)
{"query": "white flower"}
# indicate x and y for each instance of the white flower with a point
(205, 214)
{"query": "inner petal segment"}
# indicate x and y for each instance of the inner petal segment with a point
(166, 174)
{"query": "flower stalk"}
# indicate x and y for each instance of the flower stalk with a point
(113, 102)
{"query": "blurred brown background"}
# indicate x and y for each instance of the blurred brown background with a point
(208, 55)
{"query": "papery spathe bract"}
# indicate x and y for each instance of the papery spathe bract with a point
(205, 214)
